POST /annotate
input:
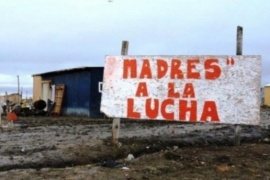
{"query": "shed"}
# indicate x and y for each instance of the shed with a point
(82, 94)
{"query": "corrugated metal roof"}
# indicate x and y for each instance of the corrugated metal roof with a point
(66, 70)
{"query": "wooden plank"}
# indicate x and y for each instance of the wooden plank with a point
(116, 121)
(59, 94)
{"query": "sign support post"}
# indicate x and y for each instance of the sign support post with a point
(116, 121)
(239, 48)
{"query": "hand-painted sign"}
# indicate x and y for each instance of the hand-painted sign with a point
(217, 89)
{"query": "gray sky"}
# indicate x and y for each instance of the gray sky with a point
(45, 35)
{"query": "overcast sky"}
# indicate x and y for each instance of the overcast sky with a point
(45, 35)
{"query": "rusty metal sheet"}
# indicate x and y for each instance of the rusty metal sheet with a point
(215, 89)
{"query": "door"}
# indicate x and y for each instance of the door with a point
(46, 92)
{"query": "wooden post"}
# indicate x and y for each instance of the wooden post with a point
(116, 121)
(239, 47)
(239, 40)
(124, 49)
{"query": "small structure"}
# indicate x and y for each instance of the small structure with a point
(267, 95)
(82, 94)
(14, 97)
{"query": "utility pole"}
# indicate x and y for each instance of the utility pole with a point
(18, 79)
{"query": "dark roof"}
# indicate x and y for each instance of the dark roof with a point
(66, 70)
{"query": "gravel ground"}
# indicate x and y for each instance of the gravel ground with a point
(80, 148)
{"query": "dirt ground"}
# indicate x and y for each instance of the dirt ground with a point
(80, 148)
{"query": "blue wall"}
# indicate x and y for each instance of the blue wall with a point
(95, 96)
(81, 96)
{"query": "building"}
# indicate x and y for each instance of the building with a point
(15, 97)
(82, 94)
(267, 95)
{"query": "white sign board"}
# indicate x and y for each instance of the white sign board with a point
(216, 89)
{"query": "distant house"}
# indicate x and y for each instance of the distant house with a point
(82, 94)
(15, 97)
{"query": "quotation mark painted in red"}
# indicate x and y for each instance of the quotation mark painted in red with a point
(230, 61)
